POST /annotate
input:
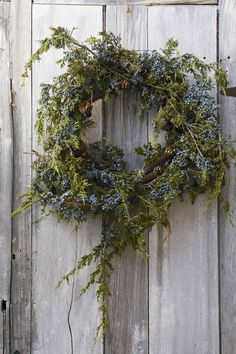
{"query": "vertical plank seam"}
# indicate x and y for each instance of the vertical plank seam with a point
(5, 294)
(6, 313)
(104, 13)
(148, 235)
(12, 201)
(218, 201)
(12, 178)
(31, 160)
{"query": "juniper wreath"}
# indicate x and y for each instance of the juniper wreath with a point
(74, 178)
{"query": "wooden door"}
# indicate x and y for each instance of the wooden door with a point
(180, 302)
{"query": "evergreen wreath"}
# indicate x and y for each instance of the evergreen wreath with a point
(74, 178)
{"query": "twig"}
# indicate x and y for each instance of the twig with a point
(167, 154)
(197, 147)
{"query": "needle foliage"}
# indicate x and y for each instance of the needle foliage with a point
(74, 178)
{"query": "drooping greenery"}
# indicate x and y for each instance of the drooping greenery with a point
(75, 178)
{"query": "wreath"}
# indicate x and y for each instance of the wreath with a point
(74, 178)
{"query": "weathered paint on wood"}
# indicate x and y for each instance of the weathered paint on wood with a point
(6, 175)
(183, 273)
(128, 2)
(227, 56)
(86, 307)
(128, 332)
(21, 227)
(61, 321)
(170, 308)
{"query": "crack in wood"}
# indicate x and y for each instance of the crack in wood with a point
(68, 317)
(4, 324)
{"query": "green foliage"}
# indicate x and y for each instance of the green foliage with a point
(75, 178)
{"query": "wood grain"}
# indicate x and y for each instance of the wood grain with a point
(61, 321)
(183, 273)
(6, 174)
(168, 307)
(227, 55)
(128, 332)
(21, 241)
(128, 2)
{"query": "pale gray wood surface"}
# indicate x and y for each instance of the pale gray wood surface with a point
(61, 321)
(6, 171)
(183, 272)
(128, 2)
(21, 232)
(227, 55)
(172, 307)
(128, 307)
(84, 317)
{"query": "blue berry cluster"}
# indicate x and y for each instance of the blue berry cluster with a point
(203, 163)
(196, 93)
(199, 94)
(114, 86)
(211, 135)
(159, 68)
(65, 134)
(180, 159)
(48, 175)
(107, 48)
(100, 176)
(71, 92)
(71, 56)
(109, 202)
(161, 192)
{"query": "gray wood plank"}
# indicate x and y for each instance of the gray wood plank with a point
(227, 55)
(86, 307)
(21, 242)
(62, 322)
(128, 2)
(6, 175)
(183, 272)
(128, 307)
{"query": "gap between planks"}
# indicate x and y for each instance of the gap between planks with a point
(144, 3)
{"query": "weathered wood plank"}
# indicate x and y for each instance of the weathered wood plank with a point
(86, 307)
(6, 175)
(183, 273)
(62, 322)
(128, 332)
(174, 2)
(227, 55)
(128, 2)
(21, 242)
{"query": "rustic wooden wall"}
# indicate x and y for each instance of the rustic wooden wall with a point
(227, 244)
(6, 175)
(180, 302)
